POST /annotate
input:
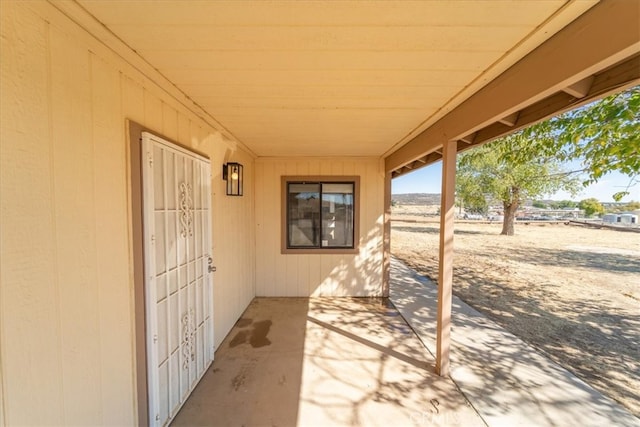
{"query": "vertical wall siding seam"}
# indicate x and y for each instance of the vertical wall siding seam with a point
(3, 394)
(130, 252)
(3, 412)
(3, 391)
(126, 195)
(96, 284)
(54, 225)
(3, 406)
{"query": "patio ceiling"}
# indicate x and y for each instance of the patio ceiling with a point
(324, 78)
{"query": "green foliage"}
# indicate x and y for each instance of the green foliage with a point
(632, 206)
(539, 204)
(604, 136)
(470, 194)
(509, 171)
(563, 204)
(591, 207)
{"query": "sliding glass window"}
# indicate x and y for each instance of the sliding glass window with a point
(320, 215)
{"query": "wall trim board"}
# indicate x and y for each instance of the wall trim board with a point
(134, 143)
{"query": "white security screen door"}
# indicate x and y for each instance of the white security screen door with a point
(178, 267)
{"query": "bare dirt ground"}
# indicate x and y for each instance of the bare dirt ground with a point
(571, 292)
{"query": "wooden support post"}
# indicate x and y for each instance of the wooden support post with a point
(386, 238)
(445, 262)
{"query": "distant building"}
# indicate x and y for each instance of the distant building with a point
(626, 218)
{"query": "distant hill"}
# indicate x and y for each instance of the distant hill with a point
(422, 199)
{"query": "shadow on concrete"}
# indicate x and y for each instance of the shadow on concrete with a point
(329, 361)
(507, 380)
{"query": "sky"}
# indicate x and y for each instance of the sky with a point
(428, 180)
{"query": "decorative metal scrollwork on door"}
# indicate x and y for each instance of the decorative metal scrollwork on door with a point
(186, 210)
(188, 339)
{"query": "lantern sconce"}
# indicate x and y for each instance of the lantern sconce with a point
(232, 173)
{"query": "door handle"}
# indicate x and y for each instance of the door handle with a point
(211, 267)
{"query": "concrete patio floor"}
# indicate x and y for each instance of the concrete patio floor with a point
(357, 362)
(324, 362)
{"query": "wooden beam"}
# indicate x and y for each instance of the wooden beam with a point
(445, 259)
(469, 138)
(581, 88)
(614, 79)
(583, 48)
(619, 77)
(422, 162)
(511, 119)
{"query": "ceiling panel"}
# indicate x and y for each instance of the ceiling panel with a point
(327, 13)
(328, 78)
(321, 38)
(246, 79)
(250, 59)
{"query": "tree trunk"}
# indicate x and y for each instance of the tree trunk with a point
(509, 218)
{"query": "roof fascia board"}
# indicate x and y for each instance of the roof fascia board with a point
(581, 49)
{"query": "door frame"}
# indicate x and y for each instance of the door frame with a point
(133, 133)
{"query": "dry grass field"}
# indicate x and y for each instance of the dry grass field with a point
(571, 292)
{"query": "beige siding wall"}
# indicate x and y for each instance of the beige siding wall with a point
(66, 298)
(316, 274)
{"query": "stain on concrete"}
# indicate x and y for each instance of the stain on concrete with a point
(238, 380)
(256, 336)
(239, 338)
(259, 334)
(244, 322)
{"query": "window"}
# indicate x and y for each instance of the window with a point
(320, 214)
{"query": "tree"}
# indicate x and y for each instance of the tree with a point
(510, 171)
(470, 195)
(604, 136)
(591, 206)
(539, 204)
(632, 206)
(562, 204)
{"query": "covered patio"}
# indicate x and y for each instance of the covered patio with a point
(130, 251)
(369, 362)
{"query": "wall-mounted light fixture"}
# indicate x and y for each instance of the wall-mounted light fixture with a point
(232, 173)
